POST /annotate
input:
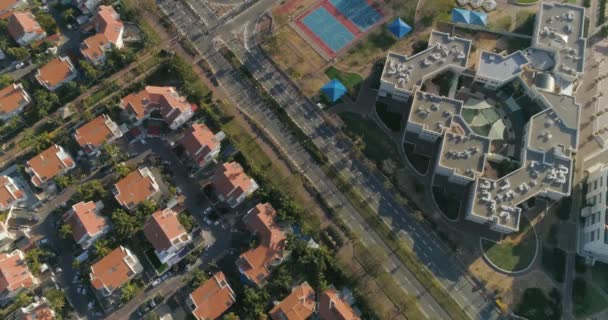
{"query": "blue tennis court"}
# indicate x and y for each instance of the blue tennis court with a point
(325, 26)
(359, 12)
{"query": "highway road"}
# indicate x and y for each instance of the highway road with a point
(429, 248)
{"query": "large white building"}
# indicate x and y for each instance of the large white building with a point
(593, 238)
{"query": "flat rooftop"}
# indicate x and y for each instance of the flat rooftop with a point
(549, 131)
(432, 112)
(495, 66)
(465, 155)
(560, 27)
(443, 51)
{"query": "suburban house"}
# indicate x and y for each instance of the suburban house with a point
(56, 73)
(211, 299)
(87, 6)
(298, 305)
(10, 193)
(24, 28)
(166, 234)
(10, 5)
(13, 99)
(37, 310)
(6, 236)
(87, 223)
(15, 276)
(135, 188)
(255, 265)
(232, 185)
(174, 109)
(114, 270)
(201, 145)
(95, 133)
(50, 163)
(333, 306)
(109, 33)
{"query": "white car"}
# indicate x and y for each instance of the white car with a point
(19, 65)
(156, 282)
(208, 210)
(207, 221)
(216, 222)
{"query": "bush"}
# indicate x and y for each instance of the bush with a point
(535, 305)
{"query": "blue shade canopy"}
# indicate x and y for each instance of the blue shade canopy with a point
(479, 18)
(461, 16)
(399, 28)
(334, 90)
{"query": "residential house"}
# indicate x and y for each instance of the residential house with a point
(37, 310)
(56, 73)
(7, 6)
(136, 187)
(87, 223)
(87, 6)
(24, 28)
(6, 236)
(255, 265)
(10, 193)
(109, 33)
(300, 304)
(114, 270)
(166, 234)
(13, 99)
(174, 109)
(15, 276)
(201, 145)
(95, 133)
(211, 299)
(333, 306)
(232, 184)
(50, 163)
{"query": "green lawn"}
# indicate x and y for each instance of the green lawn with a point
(511, 256)
(374, 142)
(586, 299)
(352, 81)
(527, 1)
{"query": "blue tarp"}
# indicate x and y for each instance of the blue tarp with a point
(399, 28)
(469, 17)
(334, 90)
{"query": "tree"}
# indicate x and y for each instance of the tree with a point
(5, 80)
(186, 220)
(35, 258)
(102, 247)
(17, 53)
(62, 181)
(91, 190)
(111, 153)
(253, 303)
(68, 14)
(126, 224)
(144, 210)
(65, 231)
(231, 316)
(23, 299)
(121, 170)
(197, 277)
(151, 316)
(56, 299)
(47, 22)
(90, 72)
(281, 282)
(128, 291)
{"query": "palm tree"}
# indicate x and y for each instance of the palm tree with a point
(68, 14)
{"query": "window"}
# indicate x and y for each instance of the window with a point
(594, 184)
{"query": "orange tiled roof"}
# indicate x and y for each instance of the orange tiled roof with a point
(260, 220)
(231, 180)
(332, 307)
(85, 220)
(212, 298)
(47, 164)
(170, 103)
(94, 46)
(40, 312)
(20, 23)
(55, 72)
(199, 141)
(299, 304)
(12, 97)
(94, 133)
(162, 227)
(134, 188)
(107, 22)
(7, 4)
(111, 272)
(14, 272)
(9, 191)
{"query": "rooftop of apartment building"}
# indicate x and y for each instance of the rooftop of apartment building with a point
(500, 68)
(406, 73)
(466, 155)
(434, 113)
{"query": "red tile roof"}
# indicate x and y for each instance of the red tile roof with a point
(112, 271)
(94, 133)
(7, 4)
(135, 188)
(9, 192)
(12, 98)
(55, 72)
(48, 164)
(299, 304)
(170, 103)
(41, 311)
(162, 227)
(332, 307)
(85, 220)
(231, 180)
(109, 30)
(199, 141)
(20, 23)
(261, 221)
(212, 298)
(14, 273)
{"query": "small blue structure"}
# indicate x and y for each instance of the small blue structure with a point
(469, 17)
(399, 28)
(334, 90)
